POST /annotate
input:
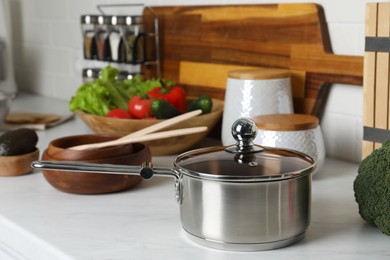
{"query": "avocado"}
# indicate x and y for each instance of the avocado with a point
(19, 141)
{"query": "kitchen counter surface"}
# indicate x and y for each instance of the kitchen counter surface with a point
(40, 222)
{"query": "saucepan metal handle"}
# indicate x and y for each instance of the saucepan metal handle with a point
(146, 170)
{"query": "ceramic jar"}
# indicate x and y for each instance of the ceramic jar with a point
(251, 93)
(299, 132)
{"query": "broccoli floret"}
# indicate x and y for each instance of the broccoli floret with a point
(372, 188)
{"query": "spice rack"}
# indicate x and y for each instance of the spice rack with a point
(120, 40)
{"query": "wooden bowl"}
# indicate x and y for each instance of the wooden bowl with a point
(173, 145)
(16, 165)
(93, 183)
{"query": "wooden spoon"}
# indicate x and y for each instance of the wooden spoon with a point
(163, 124)
(136, 136)
(143, 138)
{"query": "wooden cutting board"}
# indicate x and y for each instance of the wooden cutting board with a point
(199, 44)
(36, 121)
(31, 118)
(214, 76)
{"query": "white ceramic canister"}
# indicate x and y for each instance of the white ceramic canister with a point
(299, 132)
(251, 93)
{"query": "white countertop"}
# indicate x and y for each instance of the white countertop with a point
(39, 222)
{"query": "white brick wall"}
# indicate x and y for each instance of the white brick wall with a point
(48, 51)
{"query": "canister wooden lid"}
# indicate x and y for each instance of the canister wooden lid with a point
(259, 74)
(286, 122)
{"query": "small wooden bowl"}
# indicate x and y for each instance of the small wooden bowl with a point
(93, 183)
(172, 145)
(16, 165)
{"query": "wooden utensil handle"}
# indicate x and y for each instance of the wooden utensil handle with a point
(161, 125)
(143, 138)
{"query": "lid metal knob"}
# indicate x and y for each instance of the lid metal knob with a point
(244, 130)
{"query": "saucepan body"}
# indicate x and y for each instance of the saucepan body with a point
(242, 197)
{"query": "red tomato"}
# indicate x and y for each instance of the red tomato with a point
(119, 113)
(140, 107)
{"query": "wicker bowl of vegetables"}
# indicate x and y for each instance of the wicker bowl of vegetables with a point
(109, 106)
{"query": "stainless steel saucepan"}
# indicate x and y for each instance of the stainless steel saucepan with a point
(242, 197)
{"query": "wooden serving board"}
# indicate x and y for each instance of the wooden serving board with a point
(376, 89)
(199, 44)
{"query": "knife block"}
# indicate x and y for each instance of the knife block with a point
(376, 115)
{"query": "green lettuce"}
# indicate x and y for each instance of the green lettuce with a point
(107, 92)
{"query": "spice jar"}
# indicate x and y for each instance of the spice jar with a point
(88, 30)
(115, 40)
(132, 30)
(299, 132)
(90, 74)
(101, 37)
(126, 75)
